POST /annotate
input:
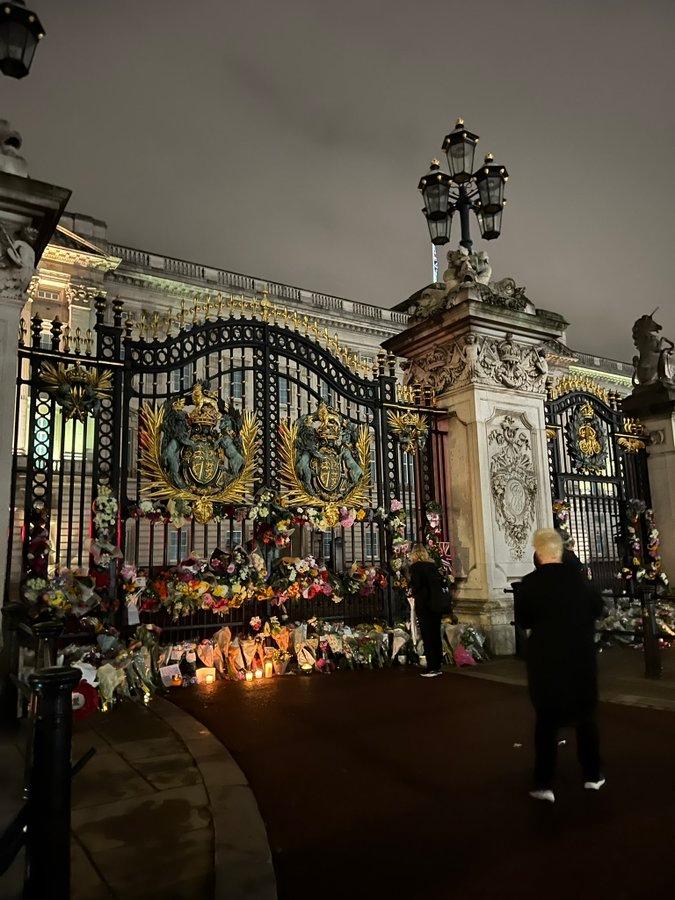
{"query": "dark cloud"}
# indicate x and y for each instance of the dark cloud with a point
(287, 139)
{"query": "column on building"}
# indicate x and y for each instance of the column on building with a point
(29, 213)
(654, 406)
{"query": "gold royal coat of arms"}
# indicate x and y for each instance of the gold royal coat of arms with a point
(325, 461)
(201, 452)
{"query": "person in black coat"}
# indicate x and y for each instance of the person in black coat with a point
(432, 601)
(559, 606)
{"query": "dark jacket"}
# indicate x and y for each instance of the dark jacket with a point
(428, 588)
(560, 607)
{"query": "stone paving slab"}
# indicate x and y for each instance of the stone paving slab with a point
(161, 811)
(621, 677)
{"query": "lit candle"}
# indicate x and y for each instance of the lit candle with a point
(177, 680)
(258, 673)
(209, 679)
(306, 668)
(249, 676)
(269, 668)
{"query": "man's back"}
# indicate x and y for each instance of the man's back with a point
(559, 606)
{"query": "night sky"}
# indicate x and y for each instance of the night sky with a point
(285, 139)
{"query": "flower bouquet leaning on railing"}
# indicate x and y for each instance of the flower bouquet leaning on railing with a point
(303, 578)
(273, 523)
(69, 592)
(220, 583)
(363, 580)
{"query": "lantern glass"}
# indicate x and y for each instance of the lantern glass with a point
(490, 190)
(460, 148)
(439, 229)
(490, 224)
(19, 34)
(436, 195)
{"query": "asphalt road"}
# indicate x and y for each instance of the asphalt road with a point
(387, 785)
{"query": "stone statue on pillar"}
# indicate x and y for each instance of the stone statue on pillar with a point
(468, 270)
(653, 365)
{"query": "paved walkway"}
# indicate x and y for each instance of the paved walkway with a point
(622, 678)
(161, 811)
(385, 785)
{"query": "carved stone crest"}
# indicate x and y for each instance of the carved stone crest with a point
(200, 453)
(586, 440)
(512, 482)
(477, 359)
(325, 460)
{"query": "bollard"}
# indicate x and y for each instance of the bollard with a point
(48, 786)
(650, 640)
(47, 635)
(12, 615)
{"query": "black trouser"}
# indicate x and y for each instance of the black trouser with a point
(547, 725)
(430, 627)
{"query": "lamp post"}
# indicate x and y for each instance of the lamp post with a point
(20, 31)
(463, 190)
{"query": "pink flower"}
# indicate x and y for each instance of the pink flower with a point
(231, 568)
(396, 505)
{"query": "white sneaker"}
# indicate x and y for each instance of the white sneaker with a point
(433, 674)
(594, 785)
(543, 795)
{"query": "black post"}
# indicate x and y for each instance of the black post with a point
(464, 206)
(650, 639)
(12, 615)
(48, 787)
(47, 635)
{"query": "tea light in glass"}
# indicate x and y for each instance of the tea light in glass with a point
(258, 673)
(249, 676)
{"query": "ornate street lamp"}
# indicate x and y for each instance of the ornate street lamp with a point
(463, 190)
(20, 31)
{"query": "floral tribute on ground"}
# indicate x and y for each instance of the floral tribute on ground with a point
(116, 668)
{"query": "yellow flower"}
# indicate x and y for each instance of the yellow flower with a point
(360, 515)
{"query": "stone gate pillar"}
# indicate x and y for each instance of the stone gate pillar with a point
(654, 405)
(481, 346)
(29, 213)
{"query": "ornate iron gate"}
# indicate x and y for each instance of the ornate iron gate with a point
(597, 461)
(79, 409)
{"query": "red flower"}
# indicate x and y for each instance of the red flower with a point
(85, 700)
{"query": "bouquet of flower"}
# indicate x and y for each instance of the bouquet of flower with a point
(329, 517)
(218, 584)
(654, 571)
(69, 593)
(272, 523)
(435, 546)
(294, 578)
(363, 581)
(561, 518)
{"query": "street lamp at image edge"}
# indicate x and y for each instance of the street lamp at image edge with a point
(20, 32)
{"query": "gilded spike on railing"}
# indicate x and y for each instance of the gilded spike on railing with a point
(88, 341)
(78, 340)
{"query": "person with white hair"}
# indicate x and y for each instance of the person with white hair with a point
(559, 606)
